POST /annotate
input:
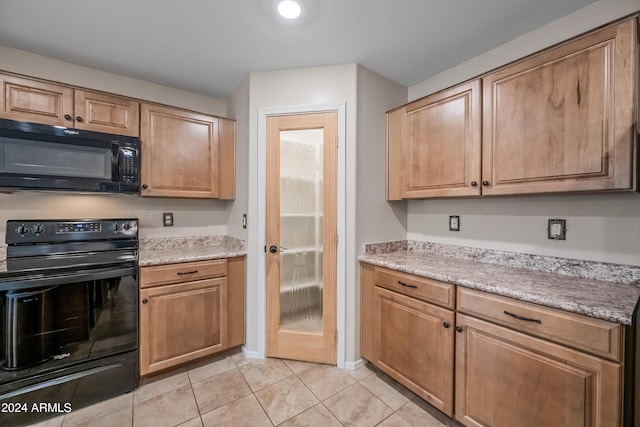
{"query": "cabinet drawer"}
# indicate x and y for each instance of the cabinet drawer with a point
(429, 290)
(591, 335)
(183, 272)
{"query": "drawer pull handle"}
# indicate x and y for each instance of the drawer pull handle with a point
(526, 319)
(184, 273)
(407, 286)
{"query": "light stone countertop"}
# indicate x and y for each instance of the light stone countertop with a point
(607, 300)
(158, 251)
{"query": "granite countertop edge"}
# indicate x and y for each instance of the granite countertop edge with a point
(572, 301)
(162, 251)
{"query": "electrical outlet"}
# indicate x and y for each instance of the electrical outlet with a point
(557, 229)
(167, 219)
(454, 223)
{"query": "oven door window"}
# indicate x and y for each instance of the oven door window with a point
(33, 158)
(50, 327)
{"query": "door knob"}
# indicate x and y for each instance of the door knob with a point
(273, 249)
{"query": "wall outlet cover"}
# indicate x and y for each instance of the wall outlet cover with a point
(557, 229)
(454, 223)
(167, 219)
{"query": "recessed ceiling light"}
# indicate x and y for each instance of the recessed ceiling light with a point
(289, 9)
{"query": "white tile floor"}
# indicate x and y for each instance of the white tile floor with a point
(235, 391)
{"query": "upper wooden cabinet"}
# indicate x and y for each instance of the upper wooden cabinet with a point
(563, 120)
(186, 154)
(558, 121)
(52, 104)
(434, 145)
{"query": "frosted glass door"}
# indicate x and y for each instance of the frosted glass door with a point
(301, 229)
(301, 236)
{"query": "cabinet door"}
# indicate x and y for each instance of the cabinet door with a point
(416, 346)
(180, 323)
(396, 145)
(34, 101)
(369, 317)
(179, 153)
(227, 162)
(236, 300)
(505, 378)
(106, 113)
(442, 153)
(563, 120)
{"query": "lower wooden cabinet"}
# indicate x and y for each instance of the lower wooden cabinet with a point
(185, 316)
(182, 322)
(416, 346)
(408, 338)
(506, 378)
(514, 363)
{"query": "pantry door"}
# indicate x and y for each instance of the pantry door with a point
(301, 236)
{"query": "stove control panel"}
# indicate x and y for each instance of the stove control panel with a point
(78, 227)
(42, 231)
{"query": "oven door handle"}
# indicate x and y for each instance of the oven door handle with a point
(62, 279)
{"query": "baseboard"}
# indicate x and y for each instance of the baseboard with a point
(352, 366)
(251, 354)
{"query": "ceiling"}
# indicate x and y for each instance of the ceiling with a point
(209, 46)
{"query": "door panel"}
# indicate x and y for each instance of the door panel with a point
(562, 120)
(107, 113)
(505, 378)
(182, 322)
(179, 153)
(34, 101)
(416, 345)
(301, 236)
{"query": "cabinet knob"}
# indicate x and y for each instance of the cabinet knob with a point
(459, 328)
(485, 183)
(273, 249)
(79, 119)
(68, 117)
(474, 184)
(145, 186)
(446, 325)
(144, 301)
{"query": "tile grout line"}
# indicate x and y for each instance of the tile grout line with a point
(194, 398)
(320, 401)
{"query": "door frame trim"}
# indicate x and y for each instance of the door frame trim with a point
(263, 113)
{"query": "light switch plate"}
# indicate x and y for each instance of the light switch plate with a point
(557, 229)
(454, 223)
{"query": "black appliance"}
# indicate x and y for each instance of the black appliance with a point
(69, 316)
(44, 157)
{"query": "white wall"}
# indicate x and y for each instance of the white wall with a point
(581, 21)
(29, 64)
(191, 217)
(601, 227)
(238, 109)
(287, 89)
(376, 219)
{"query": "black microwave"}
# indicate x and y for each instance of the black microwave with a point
(43, 157)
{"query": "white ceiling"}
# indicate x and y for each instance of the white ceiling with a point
(208, 46)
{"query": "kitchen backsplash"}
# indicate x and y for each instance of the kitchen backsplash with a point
(620, 273)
